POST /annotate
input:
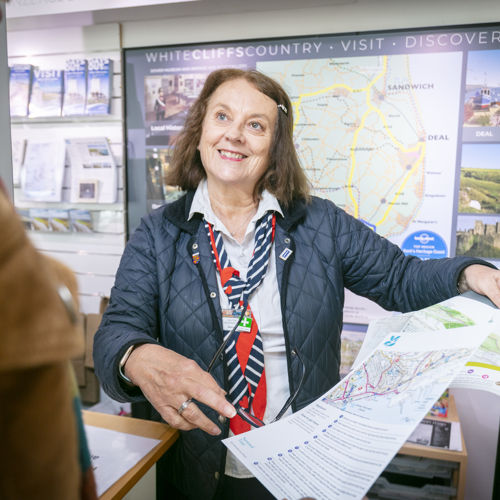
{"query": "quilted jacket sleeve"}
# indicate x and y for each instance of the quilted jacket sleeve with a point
(375, 268)
(131, 316)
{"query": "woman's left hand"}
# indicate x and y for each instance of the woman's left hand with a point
(483, 280)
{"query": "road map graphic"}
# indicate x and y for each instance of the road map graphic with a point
(361, 127)
(390, 378)
(337, 446)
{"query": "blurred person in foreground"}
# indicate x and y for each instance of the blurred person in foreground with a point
(44, 449)
(247, 259)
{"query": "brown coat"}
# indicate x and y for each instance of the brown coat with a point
(38, 430)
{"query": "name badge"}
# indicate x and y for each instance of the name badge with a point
(286, 253)
(230, 318)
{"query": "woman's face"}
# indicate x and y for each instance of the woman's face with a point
(237, 134)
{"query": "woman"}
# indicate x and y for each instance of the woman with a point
(177, 292)
(160, 105)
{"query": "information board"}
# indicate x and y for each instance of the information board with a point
(401, 129)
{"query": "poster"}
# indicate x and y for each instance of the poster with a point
(399, 129)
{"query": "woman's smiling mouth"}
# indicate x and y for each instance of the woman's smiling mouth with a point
(231, 155)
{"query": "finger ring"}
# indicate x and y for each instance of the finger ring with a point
(183, 406)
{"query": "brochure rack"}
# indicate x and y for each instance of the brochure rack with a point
(85, 230)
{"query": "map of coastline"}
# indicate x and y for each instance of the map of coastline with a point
(482, 371)
(361, 133)
(388, 378)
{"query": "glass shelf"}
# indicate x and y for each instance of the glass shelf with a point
(84, 119)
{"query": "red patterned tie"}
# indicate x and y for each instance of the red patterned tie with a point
(246, 369)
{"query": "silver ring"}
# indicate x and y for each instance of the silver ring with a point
(184, 405)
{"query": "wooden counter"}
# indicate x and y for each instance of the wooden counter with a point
(145, 428)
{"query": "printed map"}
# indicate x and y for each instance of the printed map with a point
(390, 378)
(457, 312)
(488, 354)
(362, 128)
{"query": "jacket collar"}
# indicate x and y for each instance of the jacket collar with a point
(292, 215)
(177, 213)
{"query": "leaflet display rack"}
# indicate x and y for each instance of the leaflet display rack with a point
(85, 231)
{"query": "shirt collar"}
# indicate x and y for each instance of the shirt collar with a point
(201, 205)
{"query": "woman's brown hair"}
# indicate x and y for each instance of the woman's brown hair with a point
(284, 177)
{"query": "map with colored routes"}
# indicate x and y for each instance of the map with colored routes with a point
(362, 128)
(390, 378)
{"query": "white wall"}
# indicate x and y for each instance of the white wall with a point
(203, 25)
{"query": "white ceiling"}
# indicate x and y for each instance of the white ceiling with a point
(165, 11)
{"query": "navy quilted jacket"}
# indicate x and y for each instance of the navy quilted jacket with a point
(160, 295)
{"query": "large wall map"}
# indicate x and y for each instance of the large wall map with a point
(362, 128)
(401, 130)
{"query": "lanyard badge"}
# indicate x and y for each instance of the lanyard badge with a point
(230, 318)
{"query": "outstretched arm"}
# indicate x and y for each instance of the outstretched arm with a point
(481, 279)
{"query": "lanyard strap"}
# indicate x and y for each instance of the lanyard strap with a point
(226, 271)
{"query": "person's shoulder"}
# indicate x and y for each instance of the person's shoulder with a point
(172, 217)
(321, 212)
(319, 205)
(311, 211)
(174, 210)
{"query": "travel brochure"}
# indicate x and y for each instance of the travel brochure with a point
(20, 89)
(74, 220)
(75, 87)
(99, 86)
(93, 170)
(437, 433)
(43, 170)
(46, 93)
(338, 446)
(84, 87)
(18, 149)
(90, 176)
(57, 220)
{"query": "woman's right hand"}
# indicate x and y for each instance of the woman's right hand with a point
(168, 379)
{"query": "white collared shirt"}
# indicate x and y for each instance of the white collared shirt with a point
(264, 302)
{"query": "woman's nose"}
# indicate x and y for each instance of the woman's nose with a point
(234, 132)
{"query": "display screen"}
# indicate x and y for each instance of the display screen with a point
(401, 129)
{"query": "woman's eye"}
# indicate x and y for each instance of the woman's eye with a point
(221, 116)
(256, 126)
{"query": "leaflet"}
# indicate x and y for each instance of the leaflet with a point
(337, 447)
(437, 433)
(20, 88)
(43, 170)
(94, 177)
(482, 371)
